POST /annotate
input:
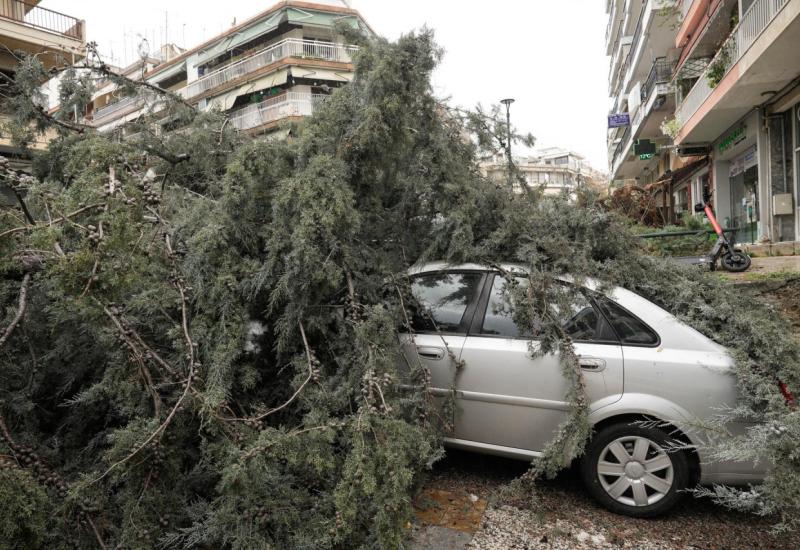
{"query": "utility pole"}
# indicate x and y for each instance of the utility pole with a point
(507, 102)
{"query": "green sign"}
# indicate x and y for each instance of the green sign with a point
(646, 156)
(733, 138)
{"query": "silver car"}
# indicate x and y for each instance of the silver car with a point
(639, 363)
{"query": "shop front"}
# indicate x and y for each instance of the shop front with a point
(783, 144)
(737, 174)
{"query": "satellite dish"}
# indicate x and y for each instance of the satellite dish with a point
(144, 48)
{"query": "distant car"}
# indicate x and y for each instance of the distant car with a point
(640, 363)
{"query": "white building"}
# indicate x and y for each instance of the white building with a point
(274, 67)
(554, 169)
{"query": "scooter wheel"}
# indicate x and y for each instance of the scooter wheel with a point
(735, 261)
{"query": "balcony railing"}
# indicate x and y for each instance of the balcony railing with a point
(112, 108)
(751, 24)
(41, 18)
(637, 34)
(621, 146)
(290, 47)
(276, 108)
(660, 72)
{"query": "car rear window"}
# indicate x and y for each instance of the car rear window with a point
(629, 328)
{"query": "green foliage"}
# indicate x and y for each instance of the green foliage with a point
(719, 65)
(208, 351)
(680, 245)
(26, 509)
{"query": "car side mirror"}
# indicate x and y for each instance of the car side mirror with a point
(699, 207)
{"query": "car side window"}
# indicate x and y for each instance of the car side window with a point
(629, 328)
(444, 298)
(499, 318)
(583, 322)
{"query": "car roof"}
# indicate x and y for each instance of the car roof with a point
(445, 266)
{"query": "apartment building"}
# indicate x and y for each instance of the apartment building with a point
(272, 68)
(555, 169)
(27, 27)
(737, 90)
(640, 41)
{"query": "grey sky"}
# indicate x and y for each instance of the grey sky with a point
(548, 55)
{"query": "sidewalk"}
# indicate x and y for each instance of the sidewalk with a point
(767, 265)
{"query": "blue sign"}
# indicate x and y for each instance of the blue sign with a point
(618, 120)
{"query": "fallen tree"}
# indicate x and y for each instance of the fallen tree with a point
(199, 345)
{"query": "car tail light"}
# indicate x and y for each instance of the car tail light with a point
(790, 400)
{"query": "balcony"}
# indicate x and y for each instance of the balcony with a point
(291, 104)
(112, 108)
(31, 15)
(655, 97)
(653, 35)
(290, 47)
(48, 34)
(734, 80)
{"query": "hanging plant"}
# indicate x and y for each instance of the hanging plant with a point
(720, 65)
(671, 127)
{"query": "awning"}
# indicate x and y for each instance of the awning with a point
(238, 38)
(226, 101)
(681, 174)
(168, 72)
(321, 74)
(322, 19)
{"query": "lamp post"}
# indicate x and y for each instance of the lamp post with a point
(507, 102)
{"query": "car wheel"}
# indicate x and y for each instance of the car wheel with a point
(628, 469)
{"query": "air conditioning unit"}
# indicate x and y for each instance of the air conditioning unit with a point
(693, 151)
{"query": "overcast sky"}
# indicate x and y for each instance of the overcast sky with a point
(548, 55)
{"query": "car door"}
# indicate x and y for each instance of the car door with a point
(509, 399)
(445, 305)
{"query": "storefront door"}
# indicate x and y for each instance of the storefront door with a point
(744, 196)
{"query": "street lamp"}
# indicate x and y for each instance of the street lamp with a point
(507, 102)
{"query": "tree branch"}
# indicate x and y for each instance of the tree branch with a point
(23, 302)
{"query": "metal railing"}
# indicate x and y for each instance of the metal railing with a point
(112, 108)
(290, 47)
(275, 108)
(637, 34)
(758, 16)
(41, 18)
(660, 72)
(618, 150)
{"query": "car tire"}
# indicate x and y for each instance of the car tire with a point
(628, 470)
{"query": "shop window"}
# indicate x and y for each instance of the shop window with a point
(782, 173)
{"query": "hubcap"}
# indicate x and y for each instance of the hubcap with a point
(635, 471)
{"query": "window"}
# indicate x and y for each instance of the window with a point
(582, 322)
(629, 329)
(499, 318)
(444, 298)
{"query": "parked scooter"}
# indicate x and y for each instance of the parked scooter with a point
(730, 257)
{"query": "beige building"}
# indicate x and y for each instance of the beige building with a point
(554, 169)
(274, 67)
(27, 27)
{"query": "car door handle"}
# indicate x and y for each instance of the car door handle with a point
(430, 352)
(593, 364)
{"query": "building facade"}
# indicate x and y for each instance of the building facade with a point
(26, 27)
(737, 92)
(274, 67)
(724, 120)
(554, 169)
